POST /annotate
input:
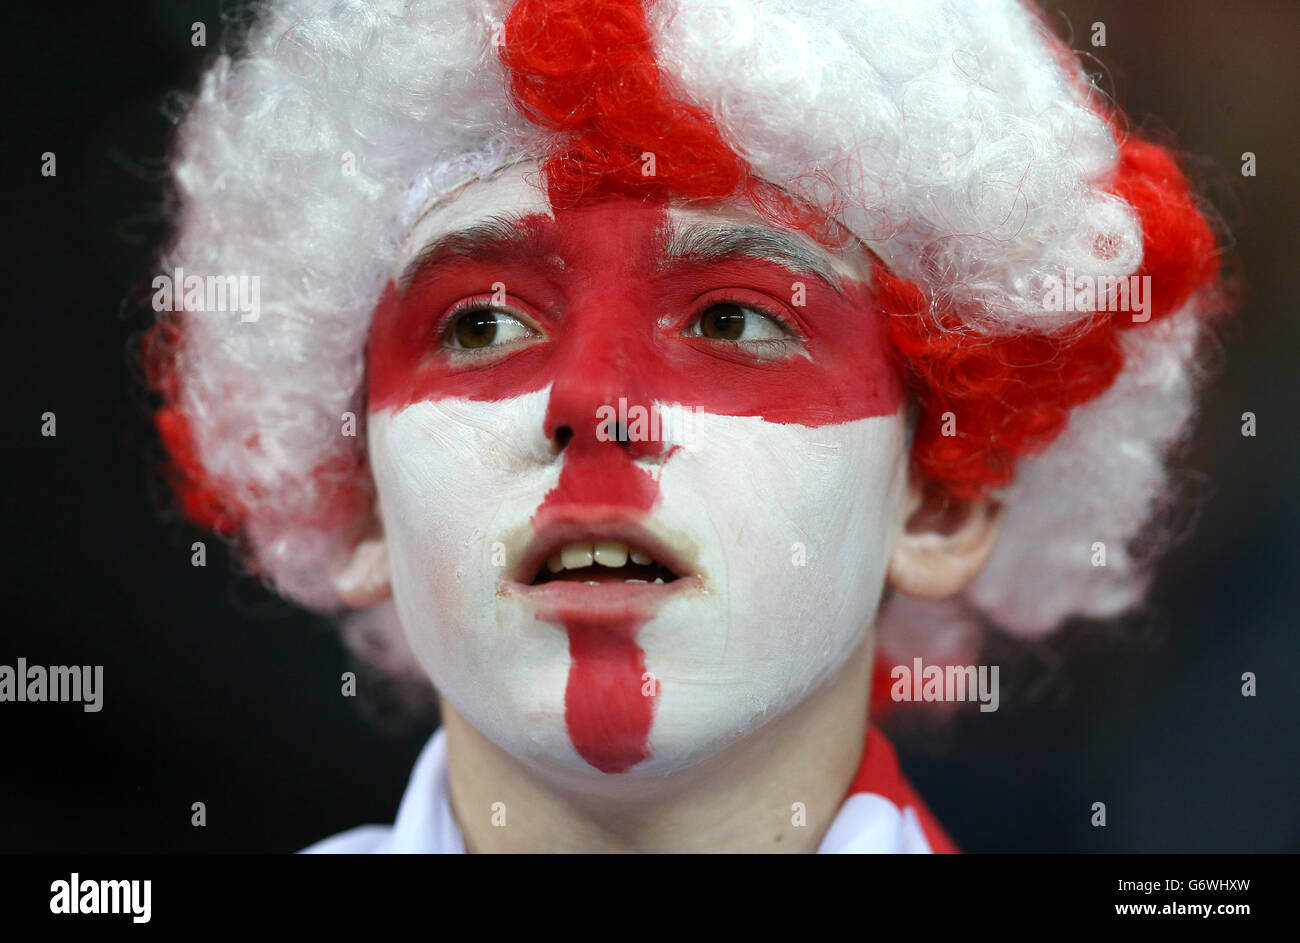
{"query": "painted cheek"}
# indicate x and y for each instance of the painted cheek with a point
(800, 521)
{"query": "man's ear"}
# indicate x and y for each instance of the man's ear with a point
(363, 579)
(944, 543)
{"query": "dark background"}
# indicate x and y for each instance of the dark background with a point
(217, 692)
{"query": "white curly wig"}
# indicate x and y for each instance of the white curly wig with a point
(955, 138)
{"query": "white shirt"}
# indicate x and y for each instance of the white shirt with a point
(867, 822)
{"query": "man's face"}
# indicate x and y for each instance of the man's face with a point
(640, 470)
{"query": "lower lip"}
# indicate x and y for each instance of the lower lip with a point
(611, 601)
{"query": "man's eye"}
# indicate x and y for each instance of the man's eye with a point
(484, 327)
(726, 321)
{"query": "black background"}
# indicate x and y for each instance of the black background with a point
(217, 692)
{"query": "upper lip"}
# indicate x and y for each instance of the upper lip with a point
(553, 535)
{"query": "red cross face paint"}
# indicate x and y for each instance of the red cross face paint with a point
(640, 470)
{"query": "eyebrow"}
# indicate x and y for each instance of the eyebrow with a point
(502, 236)
(716, 242)
(493, 236)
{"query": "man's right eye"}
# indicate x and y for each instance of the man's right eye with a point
(484, 327)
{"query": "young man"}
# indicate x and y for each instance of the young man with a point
(615, 361)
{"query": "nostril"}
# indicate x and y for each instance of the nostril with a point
(613, 431)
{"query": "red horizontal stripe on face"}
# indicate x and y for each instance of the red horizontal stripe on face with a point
(593, 279)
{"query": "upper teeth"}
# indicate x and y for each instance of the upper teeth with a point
(611, 553)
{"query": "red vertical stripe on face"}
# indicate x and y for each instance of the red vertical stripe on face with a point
(600, 365)
(605, 478)
(607, 715)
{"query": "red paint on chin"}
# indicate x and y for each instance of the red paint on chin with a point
(607, 715)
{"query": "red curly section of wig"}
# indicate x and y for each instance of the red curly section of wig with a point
(200, 500)
(586, 68)
(200, 497)
(1014, 394)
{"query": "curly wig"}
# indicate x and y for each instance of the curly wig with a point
(957, 139)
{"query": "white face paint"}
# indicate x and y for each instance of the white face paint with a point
(780, 531)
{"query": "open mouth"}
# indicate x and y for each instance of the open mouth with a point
(602, 567)
(602, 561)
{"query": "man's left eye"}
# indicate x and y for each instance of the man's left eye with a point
(726, 321)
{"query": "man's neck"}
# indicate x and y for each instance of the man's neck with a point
(775, 791)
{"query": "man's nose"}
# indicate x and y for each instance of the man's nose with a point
(601, 385)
